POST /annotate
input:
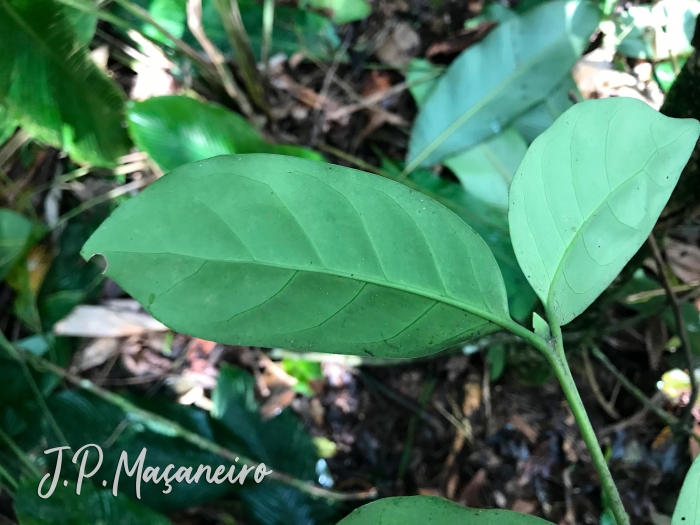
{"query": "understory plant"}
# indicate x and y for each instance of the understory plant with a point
(278, 251)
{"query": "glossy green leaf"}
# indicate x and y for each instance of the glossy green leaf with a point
(418, 69)
(424, 510)
(491, 83)
(92, 506)
(49, 83)
(284, 252)
(15, 231)
(340, 11)
(688, 505)
(175, 130)
(588, 193)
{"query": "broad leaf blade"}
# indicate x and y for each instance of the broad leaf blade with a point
(175, 130)
(588, 193)
(421, 510)
(688, 506)
(284, 252)
(49, 83)
(517, 65)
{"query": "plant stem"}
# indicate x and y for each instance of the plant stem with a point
(555, 354)
(268, 22)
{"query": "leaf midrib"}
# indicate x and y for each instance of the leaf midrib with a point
(430, 148)
(503, 322)
(49, 52)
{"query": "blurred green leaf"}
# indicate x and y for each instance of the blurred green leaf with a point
(51, 86)
(84, 24)
(71, 280)
(176, 130)
(538, 119)
(422, 510)
(281, 443)
(85, 418)
(8, 125)
(303, 371)
(91, 507)
(486, 170)
(340, 11)
(496, 357)
(666, 72)
(15, 233)
(294, 30)
(517, 65)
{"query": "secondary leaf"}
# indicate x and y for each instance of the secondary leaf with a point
(486, 170)
(517, 65)
(421, 510)
(536, 120)
(285, 252)
(588, 193)
(49, 83)
(175, 130)
(15, 231)
(688, 506)
(340, 11)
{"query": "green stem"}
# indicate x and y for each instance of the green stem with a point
(555, 355)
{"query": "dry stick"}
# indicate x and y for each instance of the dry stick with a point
(230, 15)
(604, 403)
(194, 22)
(177, 430)
(680, 328)
(667, 418)
(378, 97)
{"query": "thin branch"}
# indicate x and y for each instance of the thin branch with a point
(178, 430)
(595, 387)
(667, 418)
(194, 22)
(681, 329)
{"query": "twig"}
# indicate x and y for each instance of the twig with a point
(378, 97)
(681, 329)
(667, 418)
(194, 22)
(230, 15)
(320, 101)
(177, 430)
(595, 387)
(268, 22)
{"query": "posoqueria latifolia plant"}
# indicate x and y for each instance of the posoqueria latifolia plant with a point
(277, 251)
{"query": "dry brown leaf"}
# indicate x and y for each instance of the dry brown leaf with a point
(400, 46)
(684, 260)
(106, 321)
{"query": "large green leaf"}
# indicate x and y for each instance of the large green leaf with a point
(688, 505)
(7, 125)
(514, 68)
(588, 193)
(490, 222)
(15, 232)
(176, 130)
(49, 84)
(423, 510)
(277, 251)
(340, 11)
